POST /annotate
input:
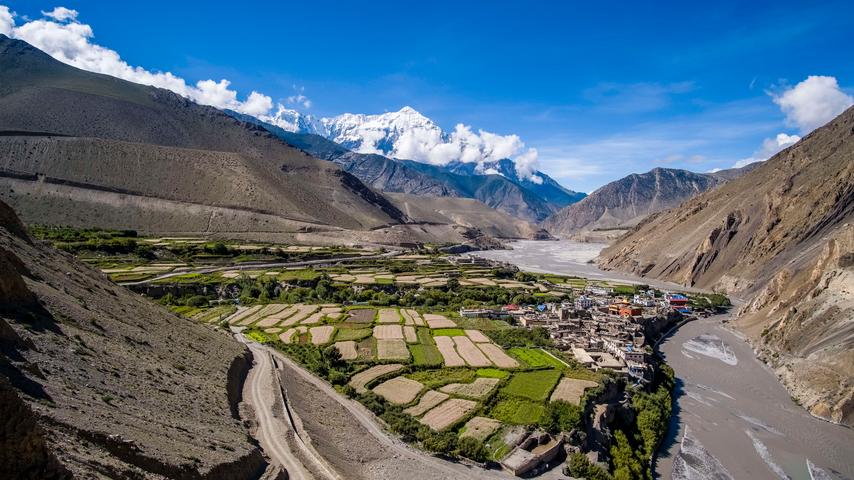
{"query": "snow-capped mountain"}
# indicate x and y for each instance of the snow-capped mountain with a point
(409, 135)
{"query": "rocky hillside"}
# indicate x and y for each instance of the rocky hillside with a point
(621, 204)
(96, 382)
(780, 237)
(114, 150)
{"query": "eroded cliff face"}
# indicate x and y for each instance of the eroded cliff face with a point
(802, 325)
(98, 382)
(778, 237)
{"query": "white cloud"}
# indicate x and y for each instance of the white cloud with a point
(61, 36)
(812, 102)
(61, 14)
(770, 147)
(299, 98)
(7, 21)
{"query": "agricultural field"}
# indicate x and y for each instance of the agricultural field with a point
(535, 358)
(444, 372)
(535, 385)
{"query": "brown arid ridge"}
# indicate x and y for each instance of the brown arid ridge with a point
(777, 237)
(106, 383)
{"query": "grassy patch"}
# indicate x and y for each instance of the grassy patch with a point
(535, 385)
(517, 411)
(259, 337)
(425, 355)
(443, 376)
(535, 358)
(491, 373)
(305, 274)
(352, 334)
(448, 332)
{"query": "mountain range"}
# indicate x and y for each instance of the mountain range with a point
(781, 238)
(497, 183)
(612, 209)
(85, 149)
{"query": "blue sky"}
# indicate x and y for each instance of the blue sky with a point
(599, 90)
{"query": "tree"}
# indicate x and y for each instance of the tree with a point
(471, 448)
(441, 442)
(560, 417)
(579, 466)
(627, 466)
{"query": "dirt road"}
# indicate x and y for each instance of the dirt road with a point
(260, 392)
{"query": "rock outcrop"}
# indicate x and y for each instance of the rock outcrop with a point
(778, 237)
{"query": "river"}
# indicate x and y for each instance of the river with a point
(732, 418)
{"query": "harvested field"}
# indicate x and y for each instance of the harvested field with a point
(428, 401)
(366, 349)
(242, 313)
(477, 389)
(312, 319)
(410, 335)
(399, 390)
(571, 390)
(278, 316)
(389, 315)
(362, 315)
(438, 321)
(362, 379)
(365, 279)
(414, 316)
(321, 335)
(497, 355)
(488, 282)
(286, 337)
(302, 311)
(273, 330)
(265, 312)
(480, 428)
(388, 332)
(449, 354)
(477, 336)
(344, 278)
(470, 353)
(448, 413)
(392, 350)
(347, 349)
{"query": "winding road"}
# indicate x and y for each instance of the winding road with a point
(273, 431)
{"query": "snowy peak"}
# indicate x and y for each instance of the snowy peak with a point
(407, 134)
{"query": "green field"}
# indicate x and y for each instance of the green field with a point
(443, 376)
(535, 358)
(448, 332)
(352, 334)
(305, 274)
(536, 385)
(491, 373)
(517, 411)
(425, 352)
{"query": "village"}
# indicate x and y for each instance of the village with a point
(602, 330)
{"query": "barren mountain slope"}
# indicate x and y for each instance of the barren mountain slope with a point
(625, 202)
(780, 236)
(63, 125)
(97, 382)
(463, 211)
